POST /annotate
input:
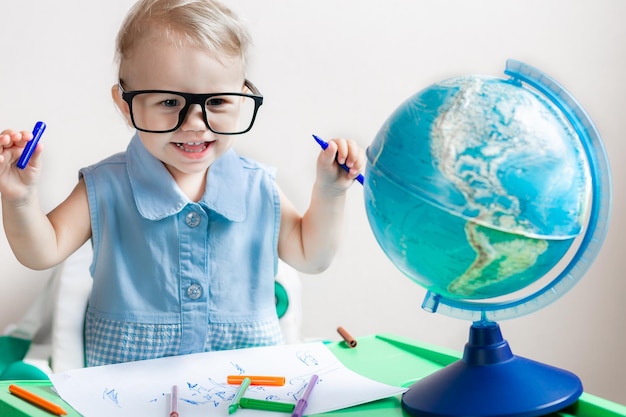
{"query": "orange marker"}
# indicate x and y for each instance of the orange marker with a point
(277, 381)
(351, 341)
(36, 400)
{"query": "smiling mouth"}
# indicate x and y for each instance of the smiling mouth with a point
(192, 147)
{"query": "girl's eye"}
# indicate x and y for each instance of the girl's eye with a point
(215, 101)
(170, 103)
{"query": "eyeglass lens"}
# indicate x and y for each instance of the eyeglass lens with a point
(161, 112)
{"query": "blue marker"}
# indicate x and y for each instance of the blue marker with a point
(31, 145)
(324, 145)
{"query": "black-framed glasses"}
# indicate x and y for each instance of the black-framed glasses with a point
(162, 111)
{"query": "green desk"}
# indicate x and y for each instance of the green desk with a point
(385, 358)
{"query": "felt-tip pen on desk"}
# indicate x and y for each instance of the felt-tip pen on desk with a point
(31, 145)
(304, 400)
(266, 405)
(36, 400)
(234, 405)
(324, 145)
(276, 381)
(347, 337)
(174, 402)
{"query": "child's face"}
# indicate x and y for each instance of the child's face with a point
(165, 64)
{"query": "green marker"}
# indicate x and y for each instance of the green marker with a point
(266, 405)
(242, 389)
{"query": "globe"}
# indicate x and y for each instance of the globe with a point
(478, 188)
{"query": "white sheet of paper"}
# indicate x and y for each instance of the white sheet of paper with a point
(143, 388)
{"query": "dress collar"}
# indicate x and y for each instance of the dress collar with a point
(157, 195)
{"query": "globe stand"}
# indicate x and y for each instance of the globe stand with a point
(491, 381)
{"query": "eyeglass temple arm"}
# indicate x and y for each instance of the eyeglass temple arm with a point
(248, 84)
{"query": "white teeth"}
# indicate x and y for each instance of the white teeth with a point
(189, 143)
(183, 146)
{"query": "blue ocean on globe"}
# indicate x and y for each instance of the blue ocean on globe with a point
(476, 187)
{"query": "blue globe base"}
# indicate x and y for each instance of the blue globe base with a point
(490, 381)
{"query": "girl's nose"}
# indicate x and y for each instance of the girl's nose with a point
(194, 119)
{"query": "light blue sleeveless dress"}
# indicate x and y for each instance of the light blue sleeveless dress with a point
(172, 276)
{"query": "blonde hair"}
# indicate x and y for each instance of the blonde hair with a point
(199, 23)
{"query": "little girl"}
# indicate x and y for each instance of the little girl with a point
(186, 234)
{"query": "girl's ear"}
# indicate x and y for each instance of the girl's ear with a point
(116, 93)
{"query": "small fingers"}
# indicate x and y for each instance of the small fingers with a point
(347, 151)
(10, 137)
(4, 140)
(342, 150)
(350, 154)
(7, 137)
(7, 132)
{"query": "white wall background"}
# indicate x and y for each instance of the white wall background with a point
(339, 68)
